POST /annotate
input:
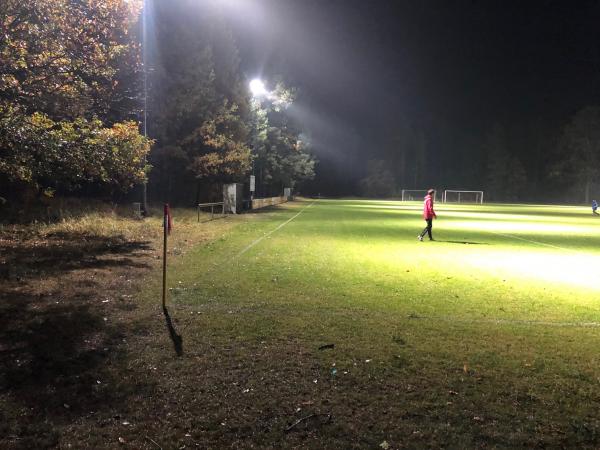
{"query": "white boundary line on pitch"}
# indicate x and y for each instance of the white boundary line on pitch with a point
(534, 242)
(508, 322)
(281, 225)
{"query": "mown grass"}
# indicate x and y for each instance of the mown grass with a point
(486, 337)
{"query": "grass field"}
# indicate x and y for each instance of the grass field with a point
(488, 336)
(311, 325)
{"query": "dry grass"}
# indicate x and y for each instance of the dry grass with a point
(109, 226)
(70, 322)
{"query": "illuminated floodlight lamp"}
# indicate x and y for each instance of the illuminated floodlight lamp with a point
(257, 87)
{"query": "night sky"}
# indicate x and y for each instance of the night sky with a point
(452, 69)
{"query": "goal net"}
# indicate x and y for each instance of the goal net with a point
(409, 195)
(462, 196)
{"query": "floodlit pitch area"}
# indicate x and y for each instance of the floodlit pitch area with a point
(488, 335)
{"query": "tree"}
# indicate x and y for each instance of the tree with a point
(64, 58)
(199, 108)
(495, 147)
(516, 182)
(506, 176)
(379, 181)
(224, 139)
(420, 159)
(406, 154)
(580, 146)
(61, 101)
(69, 155)
(207, 128)
(281, 152)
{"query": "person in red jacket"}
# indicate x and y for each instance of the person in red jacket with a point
(428, 215)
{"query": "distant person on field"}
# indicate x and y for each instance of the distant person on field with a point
(428, 215)
(595, 207)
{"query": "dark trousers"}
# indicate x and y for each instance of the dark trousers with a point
(427, 229)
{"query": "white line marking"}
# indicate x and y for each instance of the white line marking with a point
(508, 322)
(257, 241)
(534, 242)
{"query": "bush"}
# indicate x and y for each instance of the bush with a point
(69, 155)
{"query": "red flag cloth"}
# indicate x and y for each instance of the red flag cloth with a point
(168, 219)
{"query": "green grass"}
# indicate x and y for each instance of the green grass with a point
(488, 336)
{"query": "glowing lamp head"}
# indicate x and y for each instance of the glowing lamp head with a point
(257, 87)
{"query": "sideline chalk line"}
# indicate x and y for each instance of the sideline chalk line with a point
(280, 226)
(535, 242)
(509, 322)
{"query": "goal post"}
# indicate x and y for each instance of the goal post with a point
(456, 196)
(409, 195)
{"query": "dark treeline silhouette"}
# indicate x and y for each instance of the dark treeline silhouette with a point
(536, 161)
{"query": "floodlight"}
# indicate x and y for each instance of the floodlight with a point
(257, 87)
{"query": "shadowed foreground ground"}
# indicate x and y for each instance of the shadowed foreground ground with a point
(65, 302)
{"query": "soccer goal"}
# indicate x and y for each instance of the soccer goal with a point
(462, 196)
(409, 195)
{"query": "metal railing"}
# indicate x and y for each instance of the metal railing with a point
(212, 208)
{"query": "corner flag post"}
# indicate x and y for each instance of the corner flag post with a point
(167, 226)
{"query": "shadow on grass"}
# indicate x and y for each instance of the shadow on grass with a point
(212, 219)
(60, 354)
(279, 208)
(175, 338)
(64, 252)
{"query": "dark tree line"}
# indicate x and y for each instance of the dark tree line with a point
(539, 161)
